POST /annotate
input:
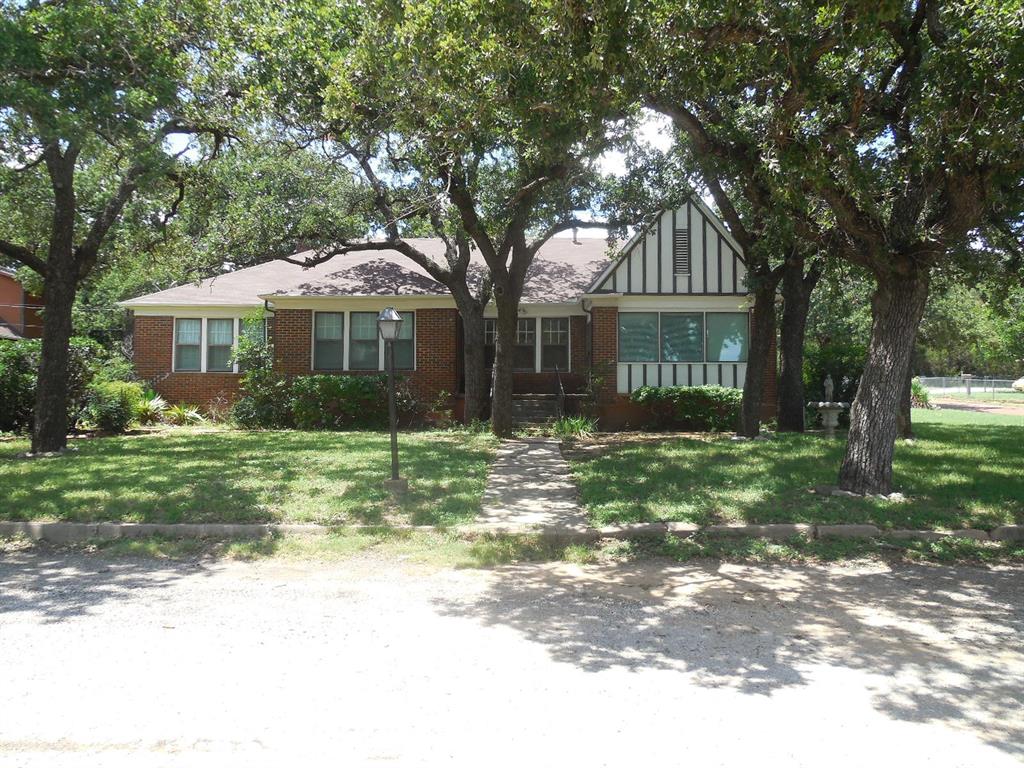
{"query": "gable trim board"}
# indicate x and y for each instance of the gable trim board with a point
(648, 262)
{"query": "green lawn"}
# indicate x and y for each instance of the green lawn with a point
(233, 476)
(964, 470)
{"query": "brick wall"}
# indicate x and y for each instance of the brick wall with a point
(152, 341)
(605, 341)
(293, 340)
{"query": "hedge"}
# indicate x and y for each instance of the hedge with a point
(700, 409)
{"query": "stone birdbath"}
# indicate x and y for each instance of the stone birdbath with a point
(829, 409)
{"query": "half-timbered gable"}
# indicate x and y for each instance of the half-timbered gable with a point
(686, 251)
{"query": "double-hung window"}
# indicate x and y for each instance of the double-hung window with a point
(525, 351)
(328, 341)
(405, 344)
(727, 337)
(490, 340)
(364, 349)
(220, 339)
(554, 337)
(188, 344)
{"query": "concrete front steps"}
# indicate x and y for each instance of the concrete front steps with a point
(534, 409)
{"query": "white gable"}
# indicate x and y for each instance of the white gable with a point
(684, 251)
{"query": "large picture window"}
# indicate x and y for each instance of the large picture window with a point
(524, 354)
(638, 337)
(363, 351)
(682, 337)
(727, 337)
(188, 344)
(554, 337)
(328, 341)
(220, 338)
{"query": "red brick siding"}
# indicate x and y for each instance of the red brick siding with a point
(436, 366)
(605, 341)
(152, 352)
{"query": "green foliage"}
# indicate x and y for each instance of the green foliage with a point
(19, 362)
(114, 405)
(840, 359)
(574, 426)
(182, 415)
(265, 398)
(963, 332)
(919, 397)
(150, 409)
(345, 402)
(711, 408)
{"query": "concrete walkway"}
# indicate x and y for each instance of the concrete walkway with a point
(529, 484)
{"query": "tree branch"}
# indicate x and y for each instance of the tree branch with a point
(24, 255)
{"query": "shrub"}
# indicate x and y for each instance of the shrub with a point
(347, 402)
(150, 410)
(113, 404)
(19, 362)
(712, 408)
(183, 415)
(918, 394)
(844, 361)
(264, 401)
(574, 426)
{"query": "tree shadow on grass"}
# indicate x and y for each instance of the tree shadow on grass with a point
(962, 476)
(945, 642)
(327, 478)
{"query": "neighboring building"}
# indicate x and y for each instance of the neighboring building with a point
(669, 307)
(19, 311)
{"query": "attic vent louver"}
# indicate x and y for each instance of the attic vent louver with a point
(681, 251)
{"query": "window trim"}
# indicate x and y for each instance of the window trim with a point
(347, 342)
(232, 363)
(568, 343)
(313, 340)
(704, 338)
(202, 346)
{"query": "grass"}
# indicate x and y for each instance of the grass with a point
(963, 470)
(980, 397)
(190, 475)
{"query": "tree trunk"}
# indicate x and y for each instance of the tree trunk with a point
(897, 307)
(473, 363)
(502, 422)
(762, 333)
(796, 303)
(60, 279)
(50, 427)
(904, 427)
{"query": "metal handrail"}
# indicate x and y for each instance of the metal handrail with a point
(560, 403)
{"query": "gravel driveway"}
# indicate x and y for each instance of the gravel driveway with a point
(193, 664)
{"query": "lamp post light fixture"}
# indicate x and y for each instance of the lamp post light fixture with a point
(389, 324)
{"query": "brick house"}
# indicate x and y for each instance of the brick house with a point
(19, 309)
(668, 307)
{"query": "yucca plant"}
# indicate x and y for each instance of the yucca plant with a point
(150, 410)
(183, 415)
(574, 426)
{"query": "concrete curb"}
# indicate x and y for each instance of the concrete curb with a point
(65, 533)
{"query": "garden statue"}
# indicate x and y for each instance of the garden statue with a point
(828, 409)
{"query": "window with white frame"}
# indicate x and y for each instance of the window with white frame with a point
(490, 340)
(188, 344)
(554, 335)
(405, 344)
(363, 348)
(683, 337)
(220, 340)
(328, 341)
(524, 354)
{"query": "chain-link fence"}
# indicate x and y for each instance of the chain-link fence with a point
(971, 387)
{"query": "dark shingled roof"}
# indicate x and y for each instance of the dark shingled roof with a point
(561, 272)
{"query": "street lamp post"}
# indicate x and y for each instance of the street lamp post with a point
(389, 323)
